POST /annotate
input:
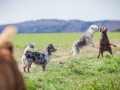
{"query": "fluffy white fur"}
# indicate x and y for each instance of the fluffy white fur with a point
(85, 39)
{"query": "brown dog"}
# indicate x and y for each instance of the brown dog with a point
(10, 76)
(104, 42)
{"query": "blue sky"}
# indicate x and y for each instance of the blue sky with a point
(14, 11)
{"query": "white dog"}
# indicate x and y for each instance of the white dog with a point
(84, 40)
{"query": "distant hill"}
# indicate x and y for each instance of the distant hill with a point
(60, 26)
(116, 30)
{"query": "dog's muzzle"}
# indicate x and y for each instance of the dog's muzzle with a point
(53, 50)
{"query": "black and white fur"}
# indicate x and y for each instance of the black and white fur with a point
(39, 58)
(85, 39)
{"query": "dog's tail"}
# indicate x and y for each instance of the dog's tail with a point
(113, 45)
(28, 47)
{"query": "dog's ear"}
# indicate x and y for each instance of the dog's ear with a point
(106, 29)
(50, 44)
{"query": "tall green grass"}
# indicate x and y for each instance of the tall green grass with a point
(77, 74)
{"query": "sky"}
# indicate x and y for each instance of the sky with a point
(15, 11)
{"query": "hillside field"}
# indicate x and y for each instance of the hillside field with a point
(64, 72)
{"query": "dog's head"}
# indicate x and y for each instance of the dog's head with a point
(103, 29)
(94, 28)
(50, 48)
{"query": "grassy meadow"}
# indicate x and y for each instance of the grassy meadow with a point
(64, 72)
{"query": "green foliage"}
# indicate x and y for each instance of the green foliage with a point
(77, 74)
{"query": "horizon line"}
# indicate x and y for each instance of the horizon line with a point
(59, 20)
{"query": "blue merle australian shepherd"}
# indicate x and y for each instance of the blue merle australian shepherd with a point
(39, 58)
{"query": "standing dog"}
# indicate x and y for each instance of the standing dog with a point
(39, 58)
(104, 42)
(84, 40)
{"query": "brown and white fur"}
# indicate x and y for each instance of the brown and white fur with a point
(85, 39)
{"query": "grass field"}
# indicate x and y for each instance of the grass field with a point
(66, 73)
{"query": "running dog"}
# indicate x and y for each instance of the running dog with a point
(85, 39)
(39, 58)
(104, 43)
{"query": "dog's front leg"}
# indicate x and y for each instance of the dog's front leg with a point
(90, 41)
(28, 68)
(92, 44)
(43, 67)
(25, 66)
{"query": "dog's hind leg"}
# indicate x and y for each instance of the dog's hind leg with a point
(76, 52)
(110, 51)
(25, 66)
(102, 53)
(28, 67)
(76, 55)
(29, 62)
(99, 53)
